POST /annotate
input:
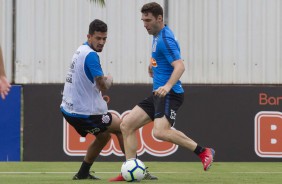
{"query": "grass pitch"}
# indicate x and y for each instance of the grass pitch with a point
(168, 172)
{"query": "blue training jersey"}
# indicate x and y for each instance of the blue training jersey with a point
(165, 50)
(92, 65)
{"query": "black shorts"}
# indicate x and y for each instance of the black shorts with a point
(94, 124)
(157, 107)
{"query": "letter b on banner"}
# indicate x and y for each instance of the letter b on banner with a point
(74, 145)
(268, 134)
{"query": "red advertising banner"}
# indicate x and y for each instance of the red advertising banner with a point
(268, 134)
(75, 145)
(242, 123)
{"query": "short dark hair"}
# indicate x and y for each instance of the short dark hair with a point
(97, 25)
(153, 8)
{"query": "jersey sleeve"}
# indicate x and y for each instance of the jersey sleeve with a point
(92, 66)
(171, 49)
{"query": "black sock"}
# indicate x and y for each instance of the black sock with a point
(199, 150)
(84, 169)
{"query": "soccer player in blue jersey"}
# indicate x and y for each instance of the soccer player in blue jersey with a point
(166, 68)
(83, 105)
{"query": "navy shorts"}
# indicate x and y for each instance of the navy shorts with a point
(157, 107)
(94, 124)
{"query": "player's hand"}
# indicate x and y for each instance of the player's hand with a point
(150, 71)
(4, 87)
(162, 91)
(109, 81)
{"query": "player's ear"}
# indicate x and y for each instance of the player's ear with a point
(160, 18)
(89, 36)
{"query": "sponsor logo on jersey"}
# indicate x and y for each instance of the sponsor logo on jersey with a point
(153, 62)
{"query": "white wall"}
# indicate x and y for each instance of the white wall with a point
(229, 41)
(49, 31)
(222, 41)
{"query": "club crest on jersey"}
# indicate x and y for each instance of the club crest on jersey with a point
(153, 62)
(106, 119)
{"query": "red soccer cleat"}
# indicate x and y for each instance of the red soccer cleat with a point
(118, 178)
(207, 158)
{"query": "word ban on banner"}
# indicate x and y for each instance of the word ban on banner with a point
(75, 145)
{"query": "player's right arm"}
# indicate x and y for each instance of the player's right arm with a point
(95, 73)
(104, 82)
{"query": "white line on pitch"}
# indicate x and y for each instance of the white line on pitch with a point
(258, 172)
(150, 172)
(75, 172)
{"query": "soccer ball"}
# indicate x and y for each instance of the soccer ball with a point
(133, 170)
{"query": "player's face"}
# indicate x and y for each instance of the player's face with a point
(151, 23)
(97, 40)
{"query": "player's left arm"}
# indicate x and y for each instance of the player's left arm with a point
(171, 51)
(178, 70)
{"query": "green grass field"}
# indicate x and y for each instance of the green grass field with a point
(168, 172)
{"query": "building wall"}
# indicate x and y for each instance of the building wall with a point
(222, 41)
(229, 41)
(49, 31)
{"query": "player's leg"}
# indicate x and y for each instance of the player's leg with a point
(83, 126)
(132, 122)
(96, 146)
(140, 115)
(115, 129)
(166, 109)
(92, 153)
(162, 130)
(166, 112)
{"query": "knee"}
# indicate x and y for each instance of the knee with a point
(123, 127)
(161, 135)
(126, 128)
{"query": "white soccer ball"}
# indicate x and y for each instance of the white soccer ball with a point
(133, 170)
